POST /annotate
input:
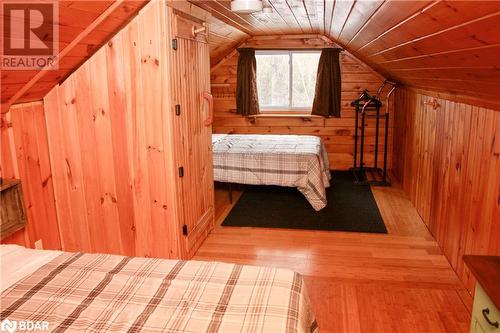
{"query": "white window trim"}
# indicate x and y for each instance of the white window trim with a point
(285, 108)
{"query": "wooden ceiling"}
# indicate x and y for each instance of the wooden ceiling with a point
(75, 19)
(223, 39)
(448, 46)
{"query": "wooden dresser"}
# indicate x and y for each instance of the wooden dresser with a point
(485, 312)
(13, 216)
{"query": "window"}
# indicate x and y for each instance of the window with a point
(286, 80)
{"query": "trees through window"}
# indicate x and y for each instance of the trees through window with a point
(286, 80)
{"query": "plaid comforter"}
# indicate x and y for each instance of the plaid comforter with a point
(96, 292)
(286, 160)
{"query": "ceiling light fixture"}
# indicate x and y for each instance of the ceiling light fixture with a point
(246, 6)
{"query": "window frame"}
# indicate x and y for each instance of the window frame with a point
(286, 108)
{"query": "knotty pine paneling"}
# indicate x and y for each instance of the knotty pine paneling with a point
(337, 133)
(74, 18)
(109, 146)
(404, 40)
(447, 160)
(108, 165)
(192, 142)
(25, 156)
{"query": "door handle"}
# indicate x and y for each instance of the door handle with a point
(486, 312)
(210, 119)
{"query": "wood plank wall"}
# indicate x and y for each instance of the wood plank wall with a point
(447, 46)
(25, 156)
(447, 160)
(338, 133)
(107, 142)
(73, 20)
(192, 144)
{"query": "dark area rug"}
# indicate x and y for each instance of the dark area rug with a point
(350, 208)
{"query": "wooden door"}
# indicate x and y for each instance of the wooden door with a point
(192, 138)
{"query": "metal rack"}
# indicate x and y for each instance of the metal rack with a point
(368, 106)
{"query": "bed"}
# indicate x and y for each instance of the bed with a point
(285, 160)
(99, 292)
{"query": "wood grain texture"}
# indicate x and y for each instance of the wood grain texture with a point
(13, 217)
(415, 42)
(89, 140)
(400, 39)
(338, 133)
(223, 38)
(398, 282)
(74, 18)
(448, 162)
(192, 142)
(115, 153)
(486, 269)
(25, 156)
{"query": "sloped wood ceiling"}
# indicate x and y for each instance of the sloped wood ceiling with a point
(449, 46)
(74, 18)
(223, 39)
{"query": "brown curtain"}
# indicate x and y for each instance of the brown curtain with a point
(328, 85)
(247, 102)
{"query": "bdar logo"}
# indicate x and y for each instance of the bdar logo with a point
(8, 326)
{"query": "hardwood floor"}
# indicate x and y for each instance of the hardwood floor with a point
(398, 282)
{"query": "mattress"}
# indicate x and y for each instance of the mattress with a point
(285, 160)
(100, 292)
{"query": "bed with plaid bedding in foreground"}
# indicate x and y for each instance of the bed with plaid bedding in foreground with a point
(285, 160)
(97, 292)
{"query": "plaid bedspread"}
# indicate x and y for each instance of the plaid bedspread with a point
(96, 292)
(286, 160)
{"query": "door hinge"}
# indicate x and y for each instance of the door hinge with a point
(181, 172)
(174, 43)
(177, 109)
(185, 230)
